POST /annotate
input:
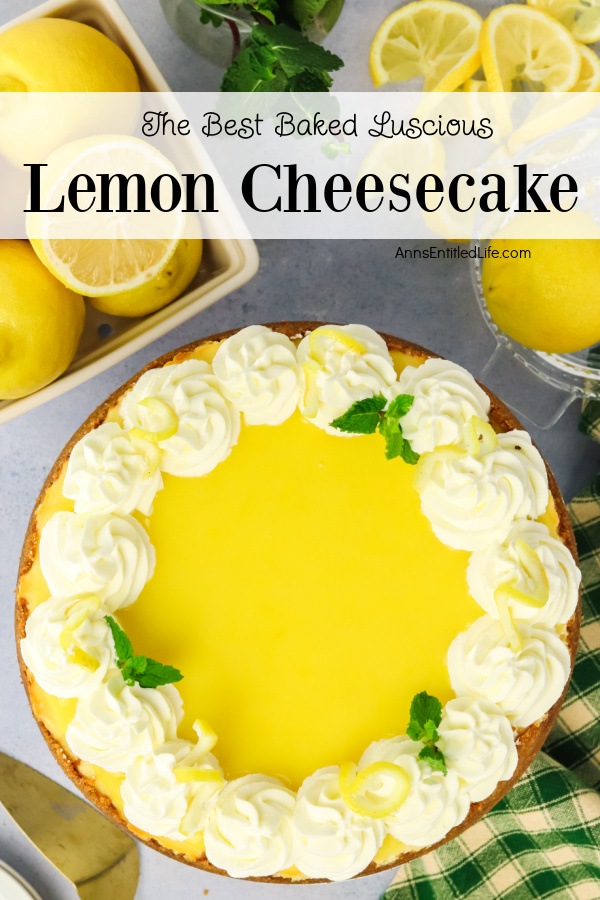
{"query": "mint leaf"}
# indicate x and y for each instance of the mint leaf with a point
(363, 417)
(123, 646)
(277, 58)
(252, 70)
(400, 405)
(430, 731)
(425, 716)
(425, 707)
(434, 758)
(395, 442)
(156, 673)
(317, 15)
(294, 52)
(145, 671)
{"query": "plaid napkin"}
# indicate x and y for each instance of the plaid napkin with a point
(543, 838)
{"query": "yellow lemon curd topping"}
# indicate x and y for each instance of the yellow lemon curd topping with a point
(291, 590)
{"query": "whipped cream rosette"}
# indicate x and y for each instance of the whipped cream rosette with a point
(259, 373)
(524, 672)
(472, 500)
(117, 722)
(480, 491)
(531, 572)
(66, 645)
(478, 744)
(250, 831)
(435, 803)
(341, 364)
(105, 555)
(333, 841)
(168, 792)
(184, 410)
(108, 472)
(446, 398)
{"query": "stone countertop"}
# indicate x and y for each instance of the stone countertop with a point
(428, 301)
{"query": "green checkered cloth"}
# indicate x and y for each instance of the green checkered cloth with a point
(543, 838)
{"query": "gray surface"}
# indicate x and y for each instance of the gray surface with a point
(430, 302)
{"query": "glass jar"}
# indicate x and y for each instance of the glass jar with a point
(214, 44)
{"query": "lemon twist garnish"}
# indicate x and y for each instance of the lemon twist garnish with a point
(536, 599)
(507, 621)
(81, 658)
(189, 774)
(534, 569)
(207, 738)
(479, 436)
(357, 792)
(311, 394)
(168, 415)
(75, 618)
(317, 338)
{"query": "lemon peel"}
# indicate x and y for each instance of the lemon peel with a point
(206, 735)
(190, 774)
(318, 337)
(170, 422)
(479, 436)
(354, 789)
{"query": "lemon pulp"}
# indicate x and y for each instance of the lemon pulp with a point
(303, 595)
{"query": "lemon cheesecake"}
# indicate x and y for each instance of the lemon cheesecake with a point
(298, 603)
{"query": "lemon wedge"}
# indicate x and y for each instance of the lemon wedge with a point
(523, 48)
(359, 791)
(435, 39)
(581, 17)
(117, 251)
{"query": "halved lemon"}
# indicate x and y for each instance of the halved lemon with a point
(435, 39)
(104, 252)
(525, 49)
(581, 17)
(589, 75)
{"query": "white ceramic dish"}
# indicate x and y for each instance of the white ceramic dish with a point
(226, 263)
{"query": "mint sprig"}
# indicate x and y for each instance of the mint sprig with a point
(147, 672)
(370, 415)
(425, 716)
(279, 58)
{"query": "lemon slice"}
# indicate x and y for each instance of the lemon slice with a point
(99, 253)
(436, 39)
(475, 85)
(589, 76)
(524, 49)
(581, 17)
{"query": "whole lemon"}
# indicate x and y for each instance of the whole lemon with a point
(550, 301)
(160, 290)
(59, 55)
(62, 55)
(40, 322)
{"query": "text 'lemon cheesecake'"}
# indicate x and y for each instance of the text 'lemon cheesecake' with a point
(298, 602)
